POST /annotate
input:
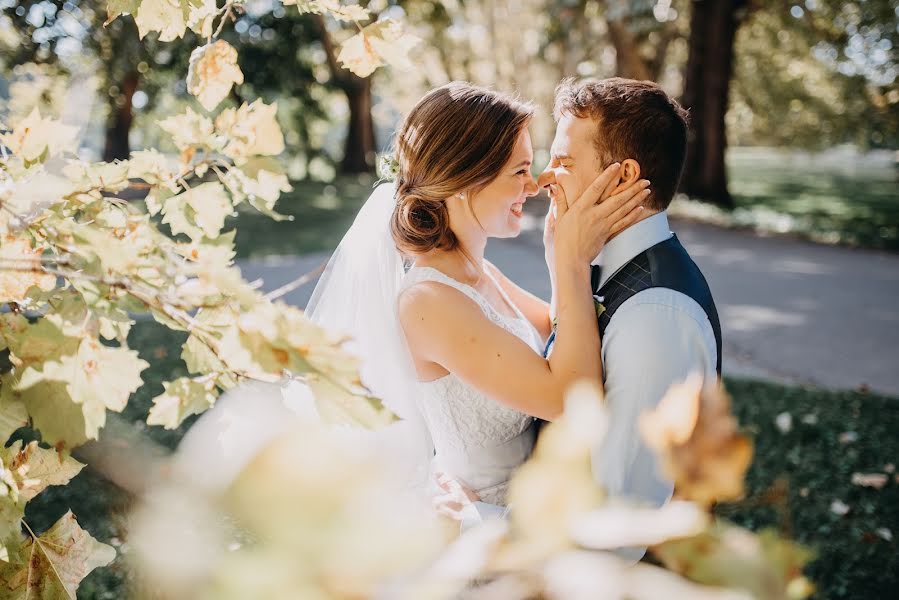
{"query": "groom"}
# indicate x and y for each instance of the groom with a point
(659, 322)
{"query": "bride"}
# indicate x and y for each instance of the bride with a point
(446, 340)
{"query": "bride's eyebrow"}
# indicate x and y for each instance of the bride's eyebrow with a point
(524, 163)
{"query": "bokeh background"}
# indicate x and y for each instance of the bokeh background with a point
(790, 204)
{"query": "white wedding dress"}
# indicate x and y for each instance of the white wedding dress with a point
(476, 439)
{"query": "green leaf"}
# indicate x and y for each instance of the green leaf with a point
(52, 565)
(97, 378)
(182, 397)
(115, 8)
(725, 555)
(35, 342)
(61, 422)
(13, 414)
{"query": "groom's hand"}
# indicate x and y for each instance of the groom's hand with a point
(456, 499)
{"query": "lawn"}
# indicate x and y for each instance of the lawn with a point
(838, 197)
(792, 484)
(322, 213)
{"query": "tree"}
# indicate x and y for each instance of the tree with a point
(831, 81)
(360, 146)
(713, 29)
(641, 33)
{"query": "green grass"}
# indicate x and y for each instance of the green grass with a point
(322, 213)
(849, 200)
(797, 475)
(852, 560)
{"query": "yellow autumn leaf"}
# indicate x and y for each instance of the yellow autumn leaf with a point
(199, 211)
(251, 130)
(384, 42)
(35, 137)
(698, 442)
(675, 416)
(182, 397)
(153, 167)
(168, 17)
(201, 17)
(340, 12)
(762, 563)
(34, 468)
(189, 129)
(112, 177)
(213, 70)
(20, 269)
(262, 192)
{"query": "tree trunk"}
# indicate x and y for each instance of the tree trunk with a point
(120, 118)
(713, 27)
(628, 62)
(360, 148)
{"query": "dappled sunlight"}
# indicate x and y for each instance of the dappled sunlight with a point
(752, 318)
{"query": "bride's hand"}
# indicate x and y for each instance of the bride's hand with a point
(457, 497)
(583, 227)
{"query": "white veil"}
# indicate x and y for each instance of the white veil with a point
(357, 295)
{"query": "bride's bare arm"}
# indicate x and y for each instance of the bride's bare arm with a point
(445, 327)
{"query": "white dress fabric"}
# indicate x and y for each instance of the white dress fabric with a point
(476, 439)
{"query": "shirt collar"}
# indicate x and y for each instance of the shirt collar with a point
(631, 242)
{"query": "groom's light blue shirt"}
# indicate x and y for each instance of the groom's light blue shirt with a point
(656, 338)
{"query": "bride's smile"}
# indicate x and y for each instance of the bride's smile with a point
(497, 209)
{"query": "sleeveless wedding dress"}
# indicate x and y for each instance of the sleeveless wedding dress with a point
(476, 439)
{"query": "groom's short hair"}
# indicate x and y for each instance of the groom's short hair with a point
(636, 119)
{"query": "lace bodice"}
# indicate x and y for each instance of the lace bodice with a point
(476, 439)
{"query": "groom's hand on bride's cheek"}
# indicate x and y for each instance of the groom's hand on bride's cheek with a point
(455, 498)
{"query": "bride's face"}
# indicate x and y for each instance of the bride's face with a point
(498, 207)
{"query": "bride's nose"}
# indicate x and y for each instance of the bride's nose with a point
(531, 188)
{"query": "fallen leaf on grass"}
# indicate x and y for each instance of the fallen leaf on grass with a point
(873, 480)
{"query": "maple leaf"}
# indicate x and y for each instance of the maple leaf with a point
(52, 564)
(251, 130)
(97, 378)
(35, 138)
(34, 468)
(384, 42)
(182, 397)
(15, 282)
(698, 442)
(213, 70)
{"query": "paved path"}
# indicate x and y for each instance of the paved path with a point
(791, 310)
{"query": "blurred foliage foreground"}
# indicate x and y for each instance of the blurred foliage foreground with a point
(814, 450)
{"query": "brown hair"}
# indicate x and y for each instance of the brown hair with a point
(636, 119)
(456, 139)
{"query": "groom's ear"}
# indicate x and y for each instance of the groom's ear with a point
(630, 174)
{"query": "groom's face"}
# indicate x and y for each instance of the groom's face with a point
(573, 163)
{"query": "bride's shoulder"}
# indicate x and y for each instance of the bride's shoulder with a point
(428, 293)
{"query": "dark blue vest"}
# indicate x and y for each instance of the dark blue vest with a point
(665, 265)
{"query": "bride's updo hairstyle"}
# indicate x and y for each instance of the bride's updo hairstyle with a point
(456, 139)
